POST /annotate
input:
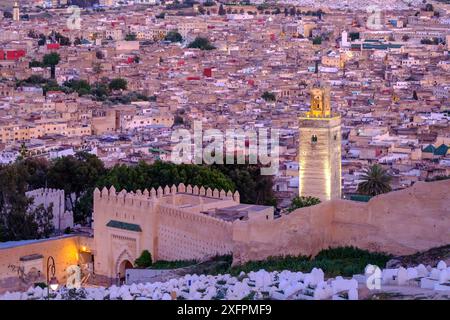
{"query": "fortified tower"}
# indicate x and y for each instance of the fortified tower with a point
(320, 148)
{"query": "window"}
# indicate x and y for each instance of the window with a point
(313, 138)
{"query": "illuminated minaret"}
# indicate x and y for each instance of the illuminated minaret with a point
(320, 149)
(16, 12)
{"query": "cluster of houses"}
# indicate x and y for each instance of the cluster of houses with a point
(391, 84)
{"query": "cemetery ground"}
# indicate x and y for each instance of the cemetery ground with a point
(343, 261)
(336, 274)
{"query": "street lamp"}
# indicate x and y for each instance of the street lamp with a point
(52, 283)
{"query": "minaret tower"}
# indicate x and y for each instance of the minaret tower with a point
(320, 149)
(16, 12)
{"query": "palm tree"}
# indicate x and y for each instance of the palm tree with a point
(376, 181)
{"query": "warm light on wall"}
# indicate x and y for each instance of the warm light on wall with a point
(84, 249)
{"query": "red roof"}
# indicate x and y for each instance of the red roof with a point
(53, 46)
(14, 54)
(207, 72)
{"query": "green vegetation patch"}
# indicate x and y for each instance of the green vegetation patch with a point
(343, 261)
(162, 264)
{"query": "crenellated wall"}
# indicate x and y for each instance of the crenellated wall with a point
(186, 236)
(170, 223)
(400, 222)
(61, 218)
(167, 221)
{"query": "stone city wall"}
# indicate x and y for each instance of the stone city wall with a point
(400, 222)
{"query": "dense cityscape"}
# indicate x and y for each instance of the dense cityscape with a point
(281, 150)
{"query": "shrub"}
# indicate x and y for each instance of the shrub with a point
(301, 202)
(342, 261)
(268, 96)
(162, 264)
(202, 44)
(144, 261)
(43, 285)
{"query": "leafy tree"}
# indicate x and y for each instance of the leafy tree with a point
(130, 37)
(302, 202)
(222, 11)
(144, 260)
(178, 120)
(376, 181)
(75, 175)
(62, 40)
(426, 41)
(36, 172)
(99, 55)
(201, 43)
(51, 60)
(161, 15)
(42, 40)
(253, 187)
(7, 15)
(268, 96)
(32, 34)
(97, 68)
(82, 87)
(173, 36)
(118, 84)
(19, 220)
(317, 40)
(52, 85)
(201, 10)
(35, 63)
(100, 90)
(147, 176)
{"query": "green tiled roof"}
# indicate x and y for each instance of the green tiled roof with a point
(360, 197)
(429, 148)
(124, 225)
(157, 150)
(441, 150)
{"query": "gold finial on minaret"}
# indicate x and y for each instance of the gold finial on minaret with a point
(320, 103)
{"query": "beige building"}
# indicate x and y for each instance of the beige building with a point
(320, 149)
